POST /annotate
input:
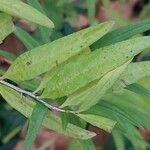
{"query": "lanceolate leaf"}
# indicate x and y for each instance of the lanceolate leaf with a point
(35, 122)
(19, 9)
(50, 73)
(128, 110)
(123, 33)
(84, 100)
(87, 68)
(6, 26)
(133, 73)
(98, 121)
(25, 106)
(126, 105)
(26, 38)
(48, 56)
(137, 108)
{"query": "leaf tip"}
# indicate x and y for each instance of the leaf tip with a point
(51, 24)
(89, 135)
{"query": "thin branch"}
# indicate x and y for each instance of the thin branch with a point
(30, 94)
(18, 89)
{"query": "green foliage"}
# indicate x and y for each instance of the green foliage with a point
(128, 110)
(98, 121)
(8, 55)
(56, 10)
(25, 106)
(82, 99)
(88, 73)
(122, 33)
(137, 88)
(65, 120)
(44, 32)
(53, 54)
(25, 37)
(34, 125)
(87, 68)
(133, 73)
(119, 140)
(6, 26)
(19, 9)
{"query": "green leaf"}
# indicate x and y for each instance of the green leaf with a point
(92, 95)
(126, 105)
(122, 33)
(8, 55)
(52, 72)
(65, 120)
(128, 110)
(35, 122)
(19, 9)
(6, 26)
(31, 85)
(30, 64)
(118, 139)
(25, 106)
(98, 121)
(91, 5)
(45, 33)
(86, 69)
(37, 5)
(133, 73)
(139, 89)
(73, 119)
(26, 38)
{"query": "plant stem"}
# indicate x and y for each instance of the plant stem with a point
(30, 94)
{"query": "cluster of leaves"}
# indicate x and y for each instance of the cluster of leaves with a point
(88, 73)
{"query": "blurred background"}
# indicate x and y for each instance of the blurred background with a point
(68, 16)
